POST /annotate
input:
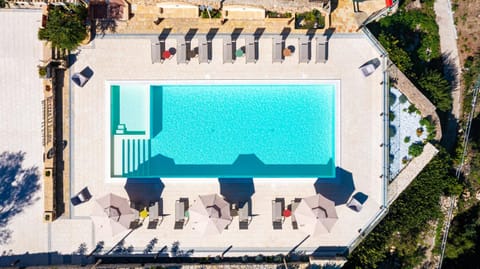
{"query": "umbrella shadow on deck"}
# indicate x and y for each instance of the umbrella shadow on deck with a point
(338, 189)
(143, 191)
(237, 190)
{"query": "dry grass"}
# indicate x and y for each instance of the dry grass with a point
(467, 20)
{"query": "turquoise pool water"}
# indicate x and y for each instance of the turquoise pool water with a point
(230, 130)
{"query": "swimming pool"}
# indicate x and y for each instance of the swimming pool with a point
(223, 130)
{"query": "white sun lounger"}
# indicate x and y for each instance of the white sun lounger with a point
(228, 50)
(304, 48)
(204, 50)
(322, 49)
(251, 49)
(277, 51)
(182, 51)
(156, 54)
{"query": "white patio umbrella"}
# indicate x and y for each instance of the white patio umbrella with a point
(316, 215)
(210, 214)
(112, 214)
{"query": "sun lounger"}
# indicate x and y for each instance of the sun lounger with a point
(305, 52)
(153, 212)
(278, 205)
(182, 49)
(156, 54)
(295, 204)
(204, 50)
(181, 207)
(228, 48)
(322, 49)
(243, 215)
(277, 51)
(251, 49)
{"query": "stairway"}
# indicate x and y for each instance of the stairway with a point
(135, 152)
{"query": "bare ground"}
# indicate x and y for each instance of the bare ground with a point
(467, 20)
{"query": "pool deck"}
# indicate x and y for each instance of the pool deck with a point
(128, 58)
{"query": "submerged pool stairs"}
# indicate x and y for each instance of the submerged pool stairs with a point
(136, 152)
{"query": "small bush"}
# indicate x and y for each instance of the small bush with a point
(402, 99)
(42, 71)
(392, 98)
(415, 149)
(391, 115)
(406, 139)
(310, 20)
(412, 108)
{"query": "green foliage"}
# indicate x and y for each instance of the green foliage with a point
(406, 139)
(274, 14)
(310, 19)
(3, 3)
(395, 51)
(412, 108)
(391, 98)
(425, 122)
(437, 89)
(412, 41)
(65, 27)
(391, 115)
(407, 219)
(470, 75)
(214, 13)
(463, 245)
(415, 149)
(403, 99)
(42, 71)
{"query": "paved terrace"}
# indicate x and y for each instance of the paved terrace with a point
(117, 57)
(343, 18)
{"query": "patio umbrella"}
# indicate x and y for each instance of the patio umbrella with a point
(112, 214)
(316, 215)
(239, 53)
(166, 54)
(210, 214)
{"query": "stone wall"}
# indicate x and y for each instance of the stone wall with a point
(426, 108)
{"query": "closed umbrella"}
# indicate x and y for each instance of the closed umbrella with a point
(112, 214)
(316, 215)
(210, 214)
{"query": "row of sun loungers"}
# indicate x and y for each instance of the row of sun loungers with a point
(251, 50)
(243, 213)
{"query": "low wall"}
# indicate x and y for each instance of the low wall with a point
(426, 108)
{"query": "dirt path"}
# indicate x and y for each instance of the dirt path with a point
(448, 47)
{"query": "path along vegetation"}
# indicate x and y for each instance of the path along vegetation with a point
(463, 244)
(411, 38)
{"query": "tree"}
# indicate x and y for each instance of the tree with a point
(65, 26)
(437, 88)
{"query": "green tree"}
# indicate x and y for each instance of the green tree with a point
(65, 26)
(437, 88)
(406, 221)
(394, 48)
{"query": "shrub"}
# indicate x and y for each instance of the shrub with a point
(406, 139)
(415, 149)
(391, 115)
(42, 71)
(310, 20)
(402, 99)
(412, 108)
(437, 89)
